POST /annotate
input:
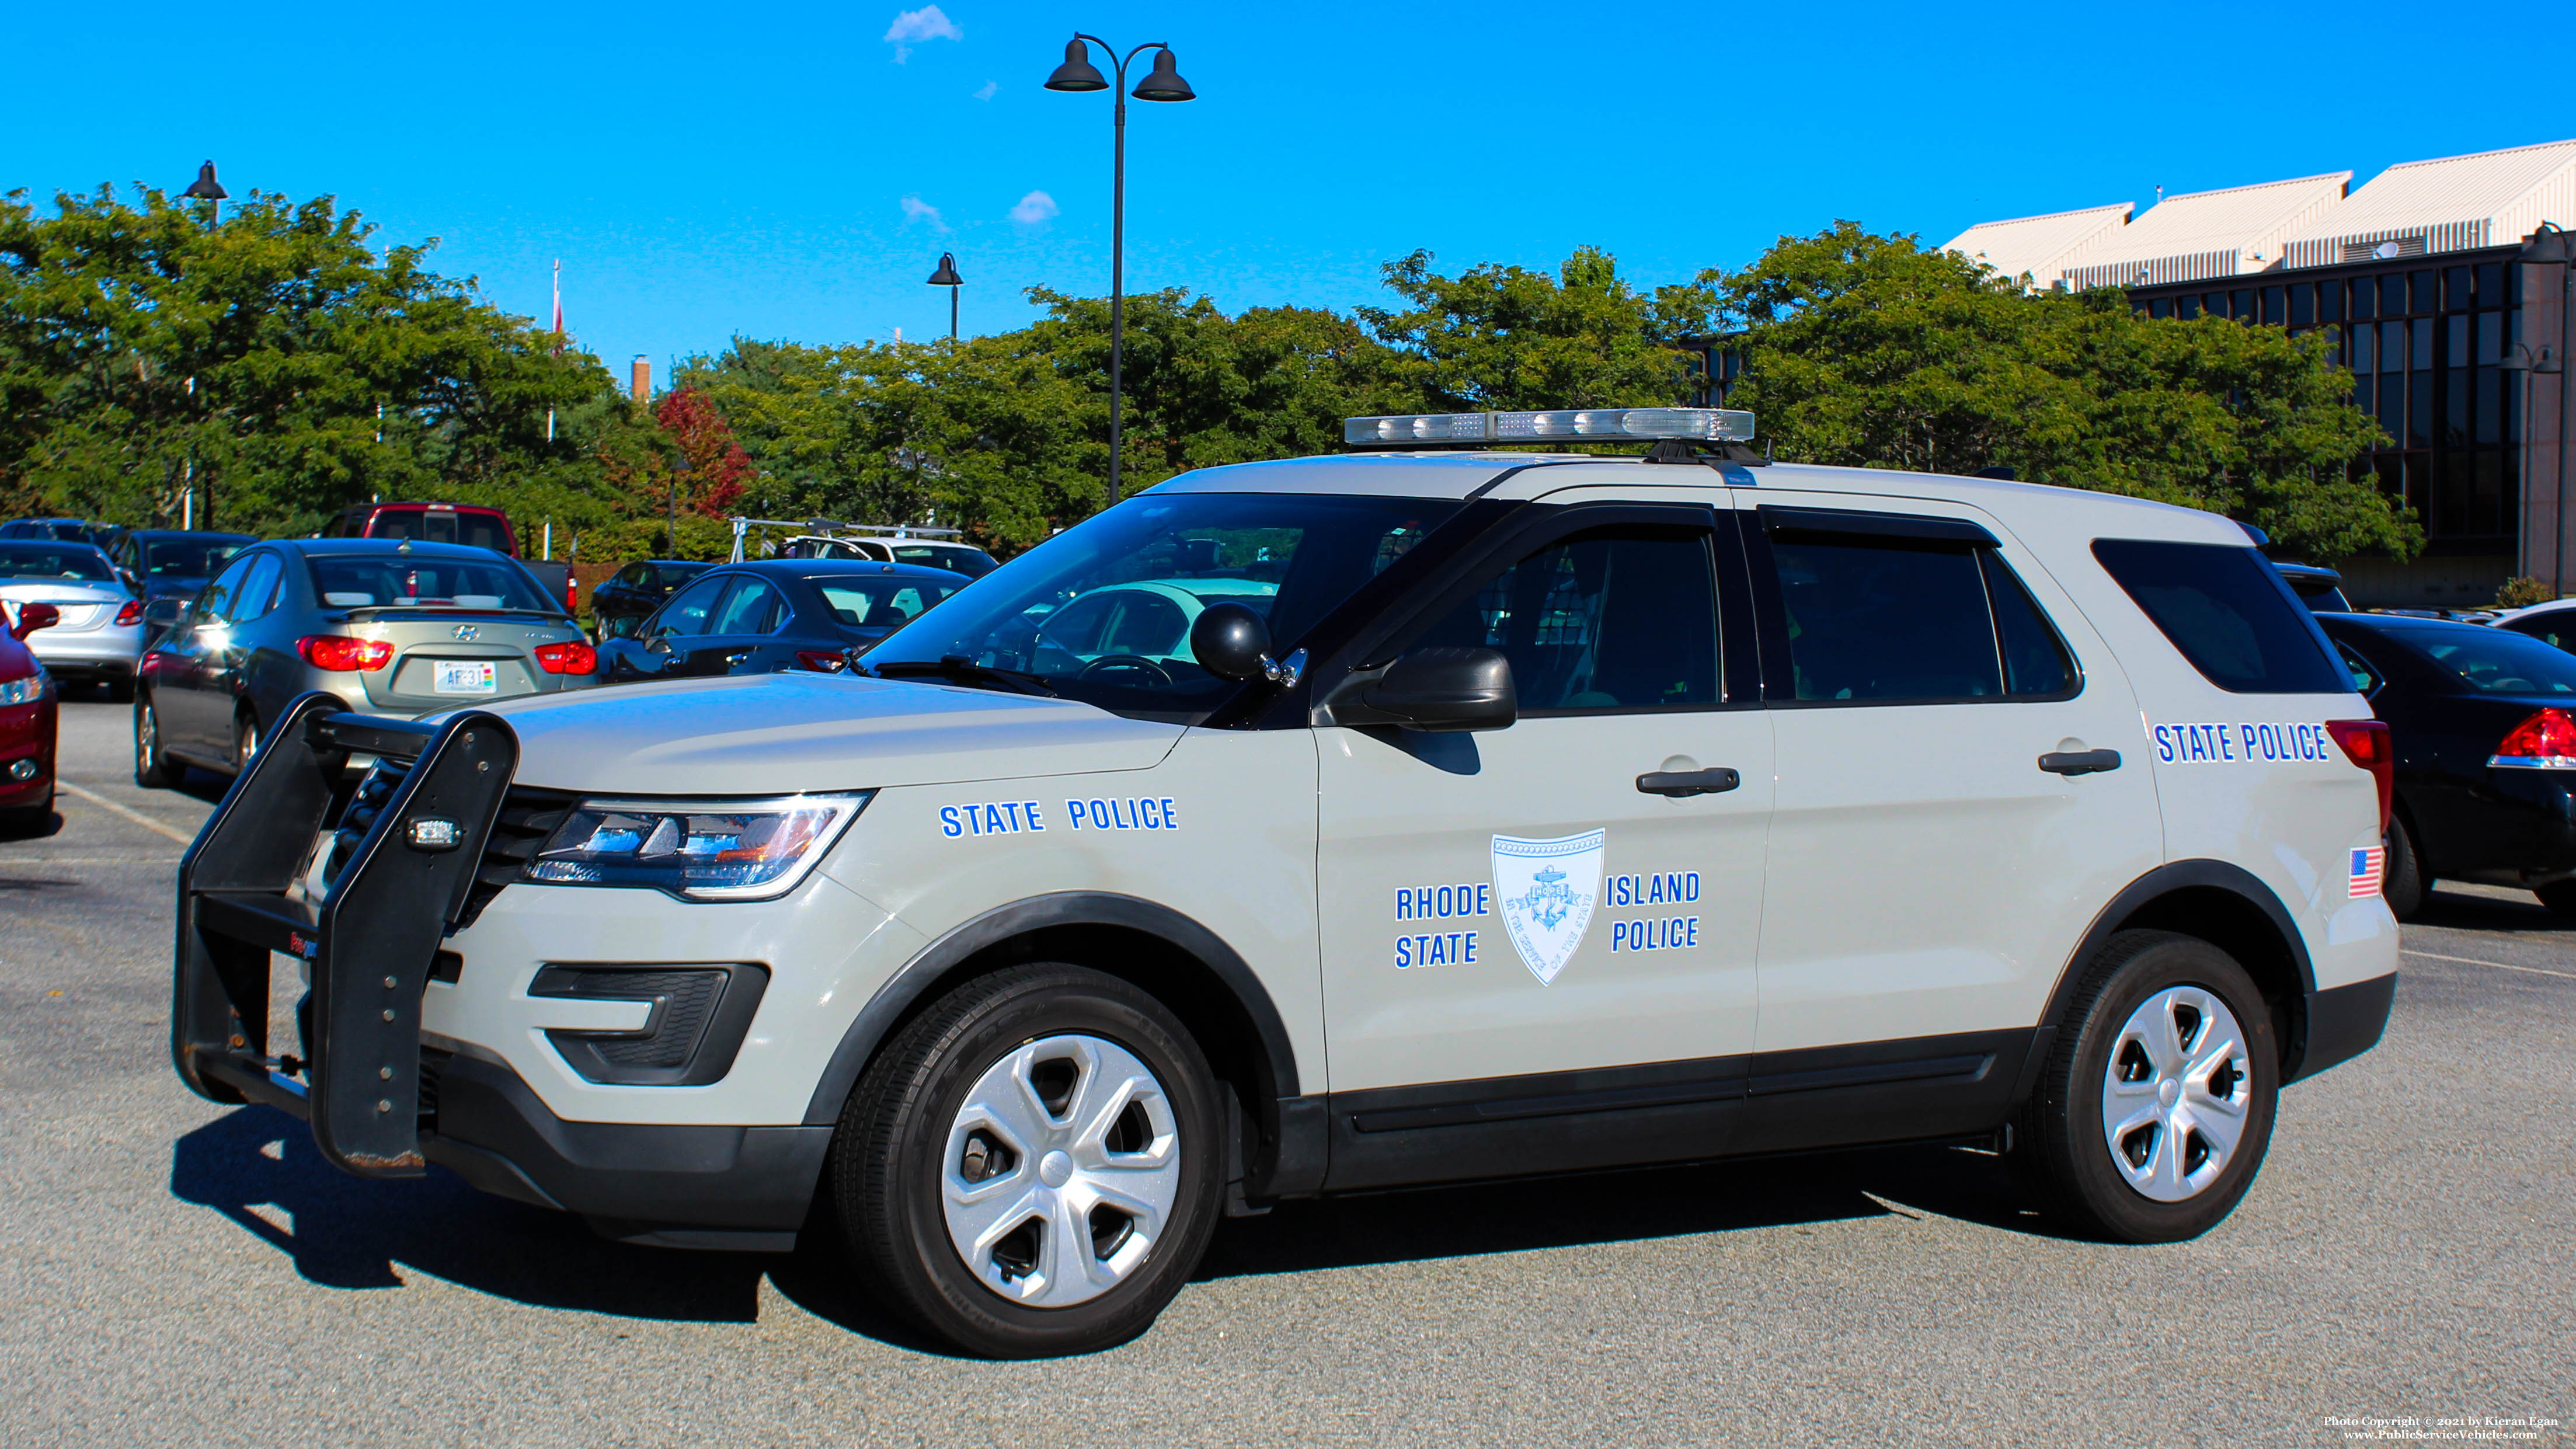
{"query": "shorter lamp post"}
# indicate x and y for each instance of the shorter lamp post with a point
(207, 189)
(2544, 363)
(947, 277)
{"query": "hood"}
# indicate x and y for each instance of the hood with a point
(778, 734)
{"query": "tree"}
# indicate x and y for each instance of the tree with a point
(1505, 338)
(275, 361)
(1865, 350)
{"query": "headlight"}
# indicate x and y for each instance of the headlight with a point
(23, 691)
(700, 850)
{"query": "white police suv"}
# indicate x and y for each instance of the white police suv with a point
(1346, 823)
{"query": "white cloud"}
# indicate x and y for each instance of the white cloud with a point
(1035, 209)
(926, 23)
(916, 209)
(986, 93)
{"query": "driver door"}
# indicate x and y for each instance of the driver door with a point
(667, 636)
(191, 689)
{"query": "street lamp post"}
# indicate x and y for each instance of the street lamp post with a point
(947, 277)
(210, 191)
(207, 189)
(1162, 83)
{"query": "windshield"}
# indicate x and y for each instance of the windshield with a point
(189, 558)
(354, 581)
(956, 557)
(1102, 611)
(2495, 661)
(53, 561)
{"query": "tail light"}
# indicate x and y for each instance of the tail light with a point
(572, 593)
(341, 653)
(567, 658)
(2546, 741)
(2367, 743)
(822, 661)
(130, 615)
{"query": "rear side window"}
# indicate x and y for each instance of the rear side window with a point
(1890, 618)
(2228, 612)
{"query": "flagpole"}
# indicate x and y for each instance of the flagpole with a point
(550, 412)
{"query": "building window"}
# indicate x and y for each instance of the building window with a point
(2365, 298)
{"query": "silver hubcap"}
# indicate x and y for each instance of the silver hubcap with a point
(2175, 1098)
(147, 739)
(1061, 1170)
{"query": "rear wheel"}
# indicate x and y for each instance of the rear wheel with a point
(2154, 1108)
(1031, 1167)
(2404, 882)
(153, 770)
(245, 739)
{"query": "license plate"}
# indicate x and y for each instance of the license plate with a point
(466, 676)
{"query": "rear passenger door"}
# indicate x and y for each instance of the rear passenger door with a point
(1950, 815)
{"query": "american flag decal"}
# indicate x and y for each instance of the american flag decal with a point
(2367, 867)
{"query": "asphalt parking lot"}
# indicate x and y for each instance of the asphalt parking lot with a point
(178, 1272)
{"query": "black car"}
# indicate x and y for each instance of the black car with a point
(2551, 624)
(2321, 589)
(162, 563)
(777, 614)
(620, 601)
(2485, 726)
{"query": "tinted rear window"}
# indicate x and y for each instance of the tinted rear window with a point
(383, 580)
(2228, 612)
(53, 561)
(2492, 661)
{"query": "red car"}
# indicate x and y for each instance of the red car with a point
(463, 523)
(28, 725)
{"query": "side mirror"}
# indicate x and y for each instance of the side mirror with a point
(163, 612)
(1438, 690)
(619, 626)
(32, 617)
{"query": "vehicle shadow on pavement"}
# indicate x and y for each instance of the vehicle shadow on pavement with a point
(2461, 911)
(259, 1168)
(1619, 1206)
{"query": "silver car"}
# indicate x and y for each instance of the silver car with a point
(102, 625)
(393, 628)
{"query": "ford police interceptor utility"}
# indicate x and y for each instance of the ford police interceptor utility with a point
(1505, 813)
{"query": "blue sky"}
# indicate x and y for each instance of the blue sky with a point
(785, 170)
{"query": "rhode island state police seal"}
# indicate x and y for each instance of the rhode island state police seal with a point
(1546, 890)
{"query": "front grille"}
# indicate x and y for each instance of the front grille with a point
(527, 817)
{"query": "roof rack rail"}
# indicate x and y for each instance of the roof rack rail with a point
(834, 528)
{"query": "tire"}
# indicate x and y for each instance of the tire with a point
(2404, 882)
(153, 770)
(2559, 896)
(2171, 1176)
(909, 1141)
(245, 740)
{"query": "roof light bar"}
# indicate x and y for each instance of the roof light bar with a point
(1415, 430)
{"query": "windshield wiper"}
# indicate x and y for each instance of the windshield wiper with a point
(963, 670)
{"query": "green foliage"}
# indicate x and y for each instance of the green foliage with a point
(2522, 593)
(141, 347)
(1865, 350)
(1505, 338)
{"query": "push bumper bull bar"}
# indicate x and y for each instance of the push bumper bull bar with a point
(370, 935)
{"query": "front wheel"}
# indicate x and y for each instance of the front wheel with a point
(2154, 1108)
(245, 740)
(1032, 1167)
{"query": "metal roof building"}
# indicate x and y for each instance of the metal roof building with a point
(2042, 247)
(2207, 234)
(2457, 204)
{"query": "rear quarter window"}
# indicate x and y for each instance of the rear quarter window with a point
(2227, 611)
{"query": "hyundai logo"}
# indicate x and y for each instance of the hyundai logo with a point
(469, 631)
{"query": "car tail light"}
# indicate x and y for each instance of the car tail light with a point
(2546, 741)
(342, 653)
(2367, 743)
(130, 615)
(567, 658)
(822, 661)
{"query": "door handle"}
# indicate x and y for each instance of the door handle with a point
(2080, 762)
(1688, 782)
(737, 656)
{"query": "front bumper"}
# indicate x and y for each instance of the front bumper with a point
(669, 1185)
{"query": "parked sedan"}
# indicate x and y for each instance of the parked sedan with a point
(2485, 726)
(101, 629)
(777, 614)
(29, 721)
(2553, 624)
(398, 629)
(163, 563)
(621, 601)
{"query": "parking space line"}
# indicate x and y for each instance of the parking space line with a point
(111, 807)
(2499, 965)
